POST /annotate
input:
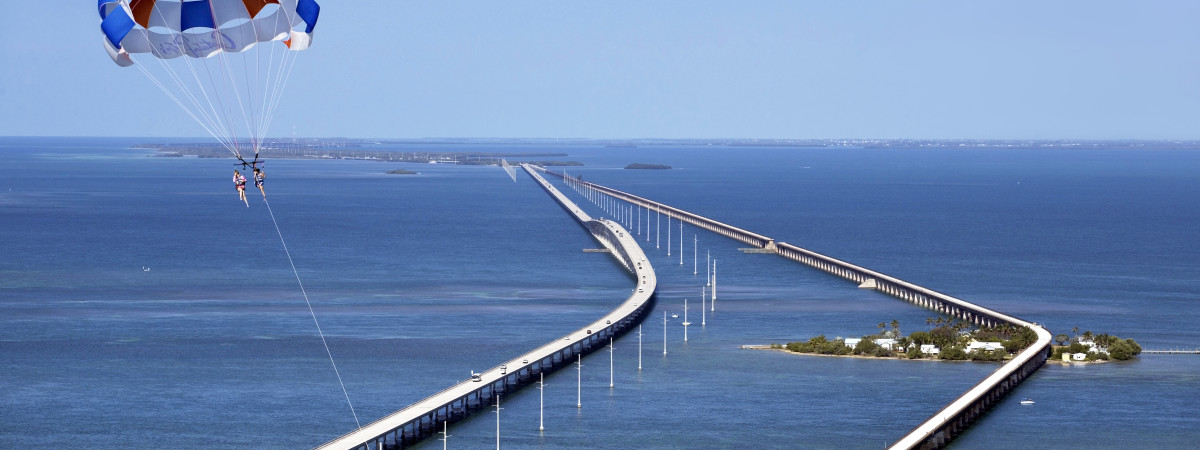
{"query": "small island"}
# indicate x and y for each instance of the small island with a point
(648, 166)
(401, 172)
(956, 340)
(947, 339)
(1091, 347)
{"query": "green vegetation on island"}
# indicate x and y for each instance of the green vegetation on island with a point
(1089, 346)
(946, 339)
(955, 340)
(647, 166)
(401, 172)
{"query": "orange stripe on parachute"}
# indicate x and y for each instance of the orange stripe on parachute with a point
(254, 6)
(141, 11)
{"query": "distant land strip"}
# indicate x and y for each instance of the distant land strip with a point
(320, 152)
(1082, 144)
(648, 166)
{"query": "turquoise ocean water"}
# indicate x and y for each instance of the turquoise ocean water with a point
(417, 280)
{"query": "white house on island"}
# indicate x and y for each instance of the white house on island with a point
(989, 346)
(889, 344)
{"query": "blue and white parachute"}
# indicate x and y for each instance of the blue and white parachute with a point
(201, 28)
(232, 97)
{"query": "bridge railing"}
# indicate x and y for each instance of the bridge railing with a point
(865, 274)
(742, 235)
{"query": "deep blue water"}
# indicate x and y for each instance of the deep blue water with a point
(417, 280)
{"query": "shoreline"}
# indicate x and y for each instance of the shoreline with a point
(902, 358)
(851, 356)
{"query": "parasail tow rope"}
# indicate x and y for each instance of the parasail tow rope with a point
(314, 315)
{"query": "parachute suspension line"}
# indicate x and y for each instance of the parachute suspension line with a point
(211, 114)
(286, 62)
(275, 84)
(212, 126)
(209, 123)
(223, 127)
(284, 75)
(230, 135)
(254, 135)
(227, 80)
(227, 77)
(258, 87)
(225, 111)
(177, 101)
(217, 108)
(266, 87)
(272, 89)
(310, 311)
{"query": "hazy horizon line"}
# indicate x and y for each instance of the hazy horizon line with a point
(647, 139)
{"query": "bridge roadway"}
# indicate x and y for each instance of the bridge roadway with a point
(939, 429)
(720, 228)
(421, 419)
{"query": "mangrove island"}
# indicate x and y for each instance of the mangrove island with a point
(648, 166)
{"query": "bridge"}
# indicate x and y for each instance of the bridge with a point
(595, 191)
(940, 428)
(421, 419)
(1172, 352)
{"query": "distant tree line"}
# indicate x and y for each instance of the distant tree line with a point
(314, 150)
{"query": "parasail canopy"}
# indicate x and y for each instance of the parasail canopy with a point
(234, 99)
(201, 28)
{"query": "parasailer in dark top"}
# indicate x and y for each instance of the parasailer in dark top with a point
(259, 177)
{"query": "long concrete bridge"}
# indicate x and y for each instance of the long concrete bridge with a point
(421, 419)
(596, 192)
(940, 428)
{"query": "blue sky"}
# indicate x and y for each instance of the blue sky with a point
(659, 69)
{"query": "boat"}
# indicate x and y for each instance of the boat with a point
(1027, 402)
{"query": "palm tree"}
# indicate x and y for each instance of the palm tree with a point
(1075, 331)
(881, 326)
(1087, 336)
(929, 321)
(896, 328)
